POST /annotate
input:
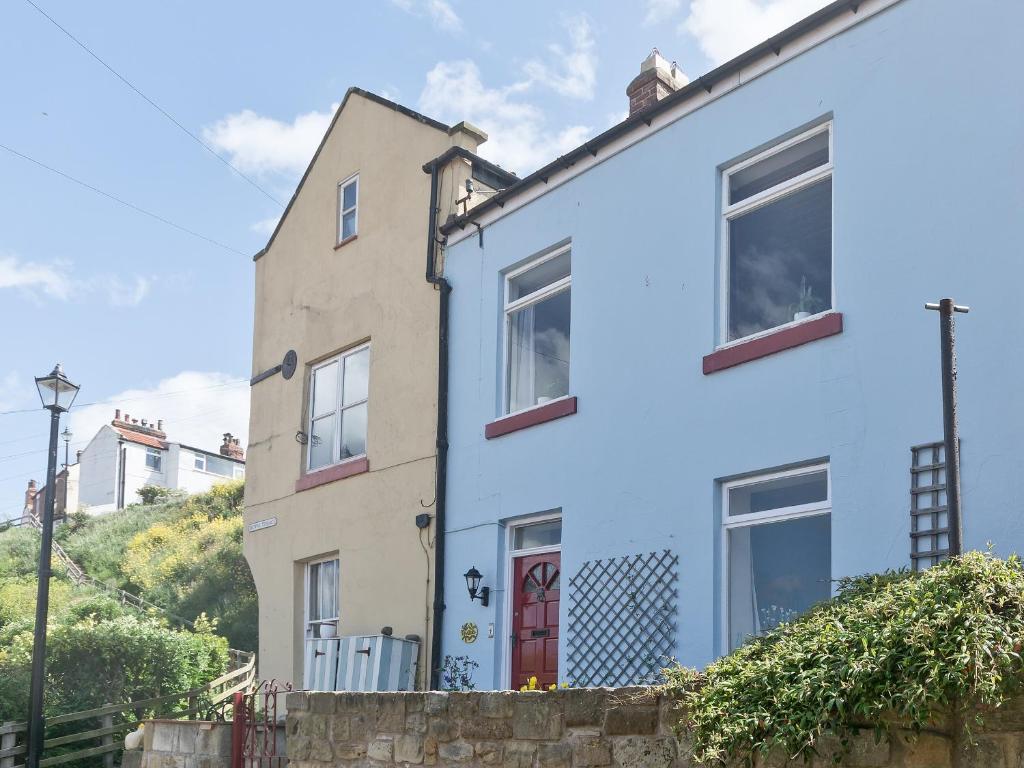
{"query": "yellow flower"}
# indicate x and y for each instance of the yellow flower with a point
(565, 685)
(552, 687)
(533, 683)
(522, 688)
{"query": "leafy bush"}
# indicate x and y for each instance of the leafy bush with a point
(196, 565)
(155, 494)
(91, 662)
(897, 647)
(19, 552)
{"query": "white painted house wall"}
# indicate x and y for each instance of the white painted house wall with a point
(98, 471)
(97, 478)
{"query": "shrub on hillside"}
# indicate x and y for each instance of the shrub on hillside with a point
(93, 661)
(195, 564)
(898, 646)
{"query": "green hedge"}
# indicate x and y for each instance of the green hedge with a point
(894, 647)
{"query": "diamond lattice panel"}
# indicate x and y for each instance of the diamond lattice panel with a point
(622, 619)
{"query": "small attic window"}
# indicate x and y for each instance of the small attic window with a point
(348, 208)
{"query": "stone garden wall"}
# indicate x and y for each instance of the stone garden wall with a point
(578, 728)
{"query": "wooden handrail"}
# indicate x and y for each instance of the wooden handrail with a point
(234, 681)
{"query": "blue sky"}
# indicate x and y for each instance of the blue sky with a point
(158, 322)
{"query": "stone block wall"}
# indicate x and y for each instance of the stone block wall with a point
(578, 728)
(186, 744)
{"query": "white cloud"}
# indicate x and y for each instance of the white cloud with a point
(34, 278)
(660, 10)
(571, 72)
(197, 409)
(57, 280)
(127, 294)
(726, 28)
(519, 137)
(444, 16)
(440, 12)
(265, 145)
(265, 226)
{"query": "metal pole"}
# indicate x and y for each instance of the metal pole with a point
(951, 431)
(35, 711)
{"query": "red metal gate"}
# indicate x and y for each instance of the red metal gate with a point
(257, 737)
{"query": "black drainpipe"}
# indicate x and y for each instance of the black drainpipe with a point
(441, 481)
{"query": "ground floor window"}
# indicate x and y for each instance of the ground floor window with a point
(777, 549)
(322, 599)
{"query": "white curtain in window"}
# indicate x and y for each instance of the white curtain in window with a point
(522, 360)
(328, 592)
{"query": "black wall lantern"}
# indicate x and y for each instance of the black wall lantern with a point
(476, 592)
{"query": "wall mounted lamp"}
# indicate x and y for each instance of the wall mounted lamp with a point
(476, 592)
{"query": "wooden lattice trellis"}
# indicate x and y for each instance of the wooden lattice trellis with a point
(622, 619)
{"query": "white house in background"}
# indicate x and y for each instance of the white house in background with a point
(126, 455)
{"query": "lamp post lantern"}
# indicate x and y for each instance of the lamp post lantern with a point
(57, 393)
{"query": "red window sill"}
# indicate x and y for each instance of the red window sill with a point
(329, 475)
(346, 241)
(784, 338)
(530, 418)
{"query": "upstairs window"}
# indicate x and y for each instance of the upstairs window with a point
(537, 313)
(348, 208)
(339, 391)
(214, 465)
(777, 233)
(778, 549)
(153, 459)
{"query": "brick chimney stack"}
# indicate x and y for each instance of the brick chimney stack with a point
(146, 427)
(30, 500)
(657, 79)
(231, 447)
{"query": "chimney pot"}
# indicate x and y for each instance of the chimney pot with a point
(117, 414)
(657, 79)
(160, 424)
(143, 422)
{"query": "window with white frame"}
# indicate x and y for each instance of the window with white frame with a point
(348, 208)
(215, 465)
(322, 610)
(154, 460)
(537, 310)
(339, 391)
(777, 549)
(777, 235)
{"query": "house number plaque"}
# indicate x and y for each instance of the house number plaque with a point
(469, 632)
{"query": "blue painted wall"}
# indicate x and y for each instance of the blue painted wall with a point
(928, 116)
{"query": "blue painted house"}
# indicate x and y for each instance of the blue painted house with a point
(692, 380)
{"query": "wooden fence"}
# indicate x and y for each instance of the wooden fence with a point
(106, 726)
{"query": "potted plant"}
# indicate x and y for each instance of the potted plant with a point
(807, 304)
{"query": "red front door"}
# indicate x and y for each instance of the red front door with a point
(536, 582)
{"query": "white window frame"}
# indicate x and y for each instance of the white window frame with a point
(338, 409)
(353, 179)
(197, 459)
(769, 516)
(536, 297)
(159, 459)
(510, 555)
(306, 621)
(770, 195)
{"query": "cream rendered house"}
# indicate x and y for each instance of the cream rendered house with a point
(340, 496)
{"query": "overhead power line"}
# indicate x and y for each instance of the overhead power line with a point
(118, 400)
(123, 202)
(153, 104)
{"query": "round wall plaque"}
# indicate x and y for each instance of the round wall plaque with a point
(469, 632)
(289, 363)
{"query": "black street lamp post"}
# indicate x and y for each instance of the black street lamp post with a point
(57, 394)
(66, 436)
